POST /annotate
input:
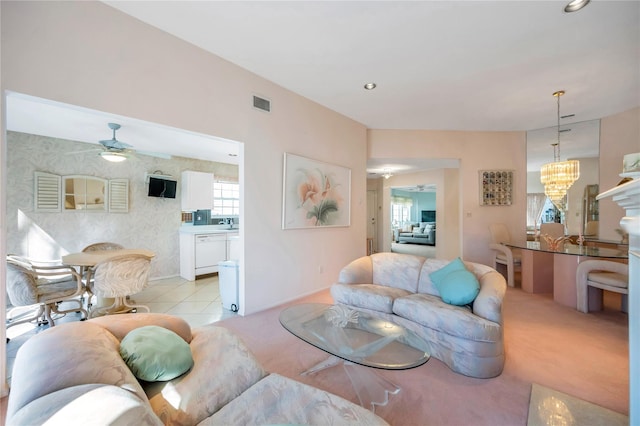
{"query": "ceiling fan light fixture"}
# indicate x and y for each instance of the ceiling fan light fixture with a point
(114, 157)
(575, 5)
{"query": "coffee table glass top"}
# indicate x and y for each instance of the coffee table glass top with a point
(355, 336)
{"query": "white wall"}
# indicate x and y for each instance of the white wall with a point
(476, 151)
(91, 55)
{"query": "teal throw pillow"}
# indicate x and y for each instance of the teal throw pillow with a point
(155, 353)
(459, 288)
(454, 265)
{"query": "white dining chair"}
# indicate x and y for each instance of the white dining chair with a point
(503, 255)
(119, 277)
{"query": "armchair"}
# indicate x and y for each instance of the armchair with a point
(45, 286)
(593, 276)
(503, 255)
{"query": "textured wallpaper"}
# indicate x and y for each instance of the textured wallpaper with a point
(152, 223)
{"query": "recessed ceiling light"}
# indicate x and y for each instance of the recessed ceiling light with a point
(370, 86)
(575, 5)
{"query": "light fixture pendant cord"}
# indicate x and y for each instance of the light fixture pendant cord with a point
(556, 150)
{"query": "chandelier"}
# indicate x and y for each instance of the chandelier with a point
(386, 173)
(557, 177)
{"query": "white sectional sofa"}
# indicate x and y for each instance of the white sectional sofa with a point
(398, 287)
(73, 374)
(425, 233)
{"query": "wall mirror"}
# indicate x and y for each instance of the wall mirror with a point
(84, 193)
(578, 141)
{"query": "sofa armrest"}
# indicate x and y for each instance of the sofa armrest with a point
(360, 271)
(488, 303)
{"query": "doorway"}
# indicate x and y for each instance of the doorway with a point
(372, 222)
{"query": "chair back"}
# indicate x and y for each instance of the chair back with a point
(22, 284)
(102, 246)
(121, 275)
(499, 233)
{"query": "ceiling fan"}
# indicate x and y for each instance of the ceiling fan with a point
(114, 150)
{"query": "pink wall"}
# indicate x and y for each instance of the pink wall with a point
(476, 151)
(91, 55)
(619, 135)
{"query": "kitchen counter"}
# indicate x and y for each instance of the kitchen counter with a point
(207, 229)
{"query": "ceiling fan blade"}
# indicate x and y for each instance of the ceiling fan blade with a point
(85, 151)
(155, 154)
(114, 144)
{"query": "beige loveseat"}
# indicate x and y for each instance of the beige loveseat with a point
(73, 374)
(398, 287)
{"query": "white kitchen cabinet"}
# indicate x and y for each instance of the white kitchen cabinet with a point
(197, 190)
(201, 250)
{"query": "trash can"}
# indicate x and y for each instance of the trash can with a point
(228, 280)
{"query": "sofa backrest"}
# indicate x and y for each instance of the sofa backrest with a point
(397, 270)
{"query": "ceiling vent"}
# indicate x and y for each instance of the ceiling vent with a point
(262, 104)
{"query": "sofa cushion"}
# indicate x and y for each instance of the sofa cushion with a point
(371, 296)
(87, 404)
(280, 400)
(80, 352)
(397, 270)
(458, 288)
(455, 265)
(223, 368)
(432, 312)
(426, 284)
(155, 354)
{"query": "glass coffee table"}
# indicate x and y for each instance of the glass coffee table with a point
(357, 340)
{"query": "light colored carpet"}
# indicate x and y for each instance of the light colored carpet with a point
(583, 355)
(549, 407)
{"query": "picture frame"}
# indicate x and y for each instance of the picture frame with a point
(315, 194)
(496, 187)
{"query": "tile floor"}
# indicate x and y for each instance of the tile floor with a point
(197, 302)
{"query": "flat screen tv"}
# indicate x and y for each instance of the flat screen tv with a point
(163, 188)
(428, 216)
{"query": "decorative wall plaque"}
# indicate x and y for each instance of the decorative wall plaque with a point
(496, 187)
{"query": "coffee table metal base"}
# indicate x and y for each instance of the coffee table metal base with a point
(372, 389)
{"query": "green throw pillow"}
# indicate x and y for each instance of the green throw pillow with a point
(155, 353)
(459, 288)
(454, 265)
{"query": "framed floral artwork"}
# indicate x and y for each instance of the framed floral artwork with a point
(315, 194)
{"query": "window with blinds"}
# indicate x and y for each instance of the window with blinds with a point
(119, 196)
(47, 192)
